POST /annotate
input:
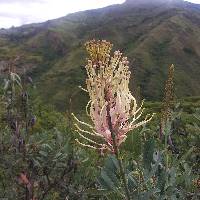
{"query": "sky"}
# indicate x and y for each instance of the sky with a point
(18, 12)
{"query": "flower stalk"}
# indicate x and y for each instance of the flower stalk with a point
(112, 108)
(116, 152)
(168, 100)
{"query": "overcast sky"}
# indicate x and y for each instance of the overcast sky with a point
(18, 12)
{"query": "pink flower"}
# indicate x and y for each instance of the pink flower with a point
(112, 108)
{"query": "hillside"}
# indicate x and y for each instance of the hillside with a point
(152, 35)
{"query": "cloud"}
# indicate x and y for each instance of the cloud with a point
(18, 12)
(22, 1)
(6, 22)
(194, 1)
(31, 11)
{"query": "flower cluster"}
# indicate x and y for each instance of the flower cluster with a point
(168, 101)
(112, 107)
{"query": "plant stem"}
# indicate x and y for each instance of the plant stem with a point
(116, 152)
(122, 173)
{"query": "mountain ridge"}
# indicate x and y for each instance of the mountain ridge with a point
(152, 36)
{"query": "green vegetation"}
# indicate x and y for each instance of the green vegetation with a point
(42, 160)
(41, 157)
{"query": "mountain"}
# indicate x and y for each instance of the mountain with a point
(152, 34)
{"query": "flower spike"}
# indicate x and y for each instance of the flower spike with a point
(112, 108)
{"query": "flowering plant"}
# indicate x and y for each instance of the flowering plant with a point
(112, 107)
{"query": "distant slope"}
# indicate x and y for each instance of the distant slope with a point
(152, 35)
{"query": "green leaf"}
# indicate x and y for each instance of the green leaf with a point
(47, 146)
(112, 163)
(43, 153)
(106, 182)
(108, 178)
(148, 154)
(36, 163)
(58, 155)
(162, 176)
(132, 183)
